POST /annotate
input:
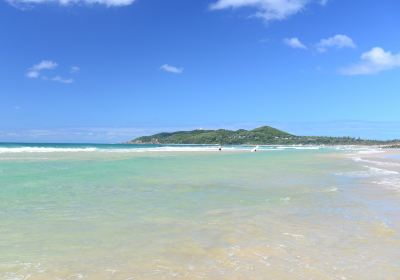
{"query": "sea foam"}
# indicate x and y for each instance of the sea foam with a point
(44, 150)
(136, 149)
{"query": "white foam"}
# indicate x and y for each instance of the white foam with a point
(384, 173)
(298, 147)
(370, 151)
(293, 235)
(110, 150)
(375, 168)
(359, 149)
(379, 171)
(331, 189)
(135, 149)
(390, 183)
(44, 150)
(371, 172)
(174, 149)
(375, 162)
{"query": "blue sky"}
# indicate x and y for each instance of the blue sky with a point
(110, 70)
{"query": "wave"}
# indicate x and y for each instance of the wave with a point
(297, 147)
(382, 172)
(370, 172)
(330, 190)
(44, 150)
(390, 183)
(360, 149)
(113, 150)
(379, 171)
(136, 149)
(66, 148)
(370, 151)
(376, 162)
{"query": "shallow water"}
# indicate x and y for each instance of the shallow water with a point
(188, 213)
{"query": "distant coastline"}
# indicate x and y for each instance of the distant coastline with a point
(264, 135)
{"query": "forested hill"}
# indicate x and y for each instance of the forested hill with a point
(264, 135)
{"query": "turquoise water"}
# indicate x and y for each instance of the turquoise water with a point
(191, 212)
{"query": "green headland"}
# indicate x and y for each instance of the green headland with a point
(264, 135)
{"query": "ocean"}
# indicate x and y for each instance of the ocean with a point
(84, 211)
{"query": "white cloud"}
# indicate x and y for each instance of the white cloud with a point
(294, 43)
(45, 65)
(171, 69)
(62, 80)
(34, 71)
(108, 3)
(338, 41)
(74, 69)
(268, 10)
(323, 2)
(372, 62)
(32, 74)
(82, 134)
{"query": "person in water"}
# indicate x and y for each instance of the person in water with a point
(255, 149)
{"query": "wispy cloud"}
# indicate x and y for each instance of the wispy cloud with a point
(382, 130)
(268, 10)
(363, 129)
(107, 3)
(338, 41)
(171, 69)
(62, 80)
(35, 71)
(294, 43)
(323, 2)
(373, 61)
(74, 69)
(81, 134)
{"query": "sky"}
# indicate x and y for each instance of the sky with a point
(111, 70)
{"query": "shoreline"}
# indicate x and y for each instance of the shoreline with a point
(382, 167)
(143, 148)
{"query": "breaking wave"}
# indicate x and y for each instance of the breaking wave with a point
(69, 148)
